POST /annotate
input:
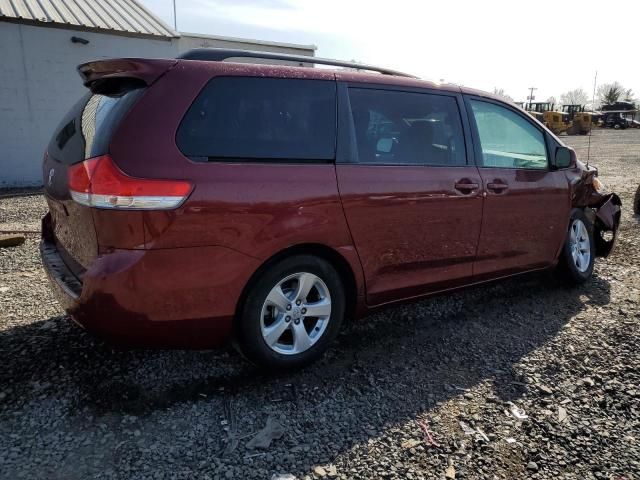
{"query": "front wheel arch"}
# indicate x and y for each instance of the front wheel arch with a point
(565, 270)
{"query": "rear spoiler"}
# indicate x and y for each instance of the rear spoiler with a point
(118, 75)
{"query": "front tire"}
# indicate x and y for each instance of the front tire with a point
(578, 252)
(291, 313)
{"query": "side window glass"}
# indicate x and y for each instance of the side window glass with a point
(406, 128)
(508, 140)
(261, 119)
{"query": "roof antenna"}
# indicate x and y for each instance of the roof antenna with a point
(593, 107)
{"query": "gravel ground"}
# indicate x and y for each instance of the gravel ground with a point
(436, 389)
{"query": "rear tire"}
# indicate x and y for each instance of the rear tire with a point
(578, 252)
(276, 328)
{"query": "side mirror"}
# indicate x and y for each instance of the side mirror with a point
(565, 158)
(385, 145)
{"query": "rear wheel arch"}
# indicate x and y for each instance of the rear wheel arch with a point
(322, 251)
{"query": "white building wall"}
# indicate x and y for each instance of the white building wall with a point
(39, 83)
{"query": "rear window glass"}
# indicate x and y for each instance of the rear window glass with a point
(261, 118)
(86, 131)
(406, 128)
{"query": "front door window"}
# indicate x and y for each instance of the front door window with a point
(507, 139)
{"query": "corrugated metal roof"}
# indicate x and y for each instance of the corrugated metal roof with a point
(117, 16)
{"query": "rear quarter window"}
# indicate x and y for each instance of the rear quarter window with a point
(247, 118)
(87, 128)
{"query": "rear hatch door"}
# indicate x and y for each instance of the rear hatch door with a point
(85, 132)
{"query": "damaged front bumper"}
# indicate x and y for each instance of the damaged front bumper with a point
(606, 220)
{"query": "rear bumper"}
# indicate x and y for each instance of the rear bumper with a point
(172, 298)
(66, 286)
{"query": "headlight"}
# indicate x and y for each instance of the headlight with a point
(598, 185)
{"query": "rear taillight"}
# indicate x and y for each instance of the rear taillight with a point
(98, 182)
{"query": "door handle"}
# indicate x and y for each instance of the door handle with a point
(497, 187)
(466, 187)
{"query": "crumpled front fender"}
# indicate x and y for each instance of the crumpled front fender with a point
(607, 219)
(604, 210)
(609, 211)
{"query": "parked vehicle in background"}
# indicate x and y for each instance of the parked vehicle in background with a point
(538, 109)
(618, 107)
(193, 201)
(580, 121)
(556, 121)
(572, 110)
(619, 115)
(614, 120)
(581, 124)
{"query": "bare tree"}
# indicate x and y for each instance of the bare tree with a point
(629, 96)
(552, 100)
(501, 93)
(575, 97)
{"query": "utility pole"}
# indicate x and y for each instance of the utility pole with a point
(593, 108)
(175, 21)
(531, 98)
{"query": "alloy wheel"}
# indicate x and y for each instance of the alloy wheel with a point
(580, 245)
(295, 313)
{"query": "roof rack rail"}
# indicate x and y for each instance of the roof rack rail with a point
(221, 54)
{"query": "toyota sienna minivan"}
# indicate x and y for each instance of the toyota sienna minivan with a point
(199, 201)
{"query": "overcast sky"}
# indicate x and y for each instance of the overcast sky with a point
(553, 45)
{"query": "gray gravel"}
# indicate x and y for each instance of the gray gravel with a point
(437, 389)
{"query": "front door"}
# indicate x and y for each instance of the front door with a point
(527, 204)
(411, 197)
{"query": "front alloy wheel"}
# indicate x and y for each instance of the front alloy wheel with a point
(580, 245)
(575, 265)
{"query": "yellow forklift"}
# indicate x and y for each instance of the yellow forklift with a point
(581, 121)
(537, 109)
(557, 122)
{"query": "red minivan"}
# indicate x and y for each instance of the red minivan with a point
(197, 201)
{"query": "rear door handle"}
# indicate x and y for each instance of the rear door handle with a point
(466, 187)
(497, 187)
